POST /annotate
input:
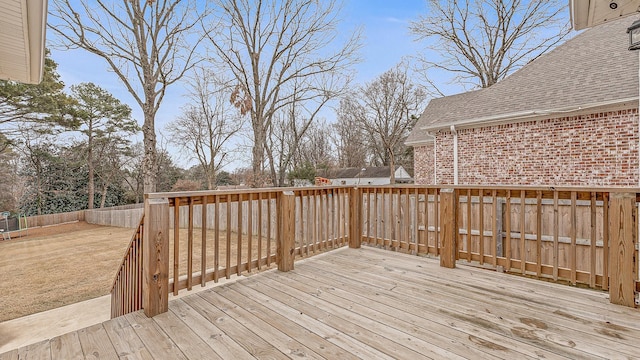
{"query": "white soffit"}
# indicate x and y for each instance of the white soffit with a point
(22, 40)
(589, 13)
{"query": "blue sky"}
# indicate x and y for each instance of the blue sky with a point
(386, 35)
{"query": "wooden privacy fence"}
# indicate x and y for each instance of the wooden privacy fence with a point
(55, 219)
(579, 236)
(120, 216)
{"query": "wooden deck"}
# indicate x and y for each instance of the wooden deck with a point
(366, 303)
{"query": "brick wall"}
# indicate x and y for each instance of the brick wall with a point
(423, 164)
(599, 149)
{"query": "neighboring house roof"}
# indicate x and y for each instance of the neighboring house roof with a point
(594, 69)
(22, 39)
(356, 172)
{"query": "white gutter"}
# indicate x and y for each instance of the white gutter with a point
(455, 154)
(418, 142)
(524, 115)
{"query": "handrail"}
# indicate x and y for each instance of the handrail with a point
(126, 291)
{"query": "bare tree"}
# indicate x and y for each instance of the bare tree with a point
(149, 45)
(275, 46)
(483, 41)
(350, 141)
(316, 148)
(287, 132)
(283, 138)
(386, 109)
(207, 124)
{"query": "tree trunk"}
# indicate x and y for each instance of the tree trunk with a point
(211, 178)
(90, 184)
(39, 180)
(258, 159)
(392, 167)
(104, 195)
(149, 162)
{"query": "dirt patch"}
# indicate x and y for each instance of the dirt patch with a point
(59, 265)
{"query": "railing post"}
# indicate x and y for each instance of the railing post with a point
(285, 243)
(355, 218)
(155, 257)
(622, 238)
(448, 227)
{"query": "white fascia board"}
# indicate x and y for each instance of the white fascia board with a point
(36, 28)
(532, 115)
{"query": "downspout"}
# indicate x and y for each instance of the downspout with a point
(435, 158)
(455, 154)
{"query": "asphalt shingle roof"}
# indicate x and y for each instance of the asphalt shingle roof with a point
(593, 67)
(355, 172)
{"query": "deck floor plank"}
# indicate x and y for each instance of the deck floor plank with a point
(554, 328)
(96, 343)
(361, 328)
(317, 343)
(345, 341)
(491, 318)
(508, 288)
(519, 317)
(125, 340)
(366, 303)
(66, 346)
(223, 344)
(548, 293)
(374, 321)
(38, 351)
(438, 334)
(251, 342)
(187, 341)
(9, 355)
(265, 329)
(472, 332)
(157, 342)
(584, 314)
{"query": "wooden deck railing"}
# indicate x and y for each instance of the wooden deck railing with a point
(196, 237)
(558, 234)
(577, 236)
(126, 292)
(224, 233)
